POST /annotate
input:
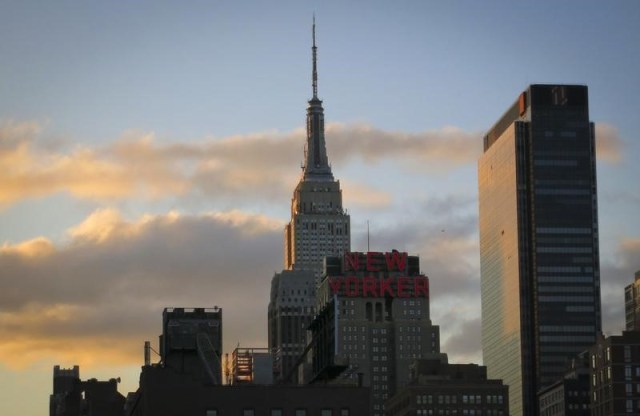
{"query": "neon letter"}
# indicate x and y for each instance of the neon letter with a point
(396, 258)
(369, 287)
(351, 287)
(385, 286)
(401, 287)
(351, 261)
(371, 255)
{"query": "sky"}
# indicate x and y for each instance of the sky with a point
(149, 151)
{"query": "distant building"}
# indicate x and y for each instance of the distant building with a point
(539, 256)
(164, 392)
(191, 342)
(632, 304)
(615, 375)
(73, 397)
(373, 321)
(319, 227)
(251, 366)
(570, 395)
(440, 388)
(181, 384)
(291, 310)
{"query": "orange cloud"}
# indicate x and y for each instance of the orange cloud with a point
(608, 143)
(36, 247)
(249, 168)
(356, 193)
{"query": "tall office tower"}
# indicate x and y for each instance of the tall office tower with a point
(319, 227)
(632, 304)
(540, 275)
(373, 321)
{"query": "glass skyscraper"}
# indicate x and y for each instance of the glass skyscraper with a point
(538, 240)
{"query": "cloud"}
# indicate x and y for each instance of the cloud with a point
(259, 166)
(362, 194)
(109, 283)
(609, 146)
(463, 345)
(445, 148)
(251, 167)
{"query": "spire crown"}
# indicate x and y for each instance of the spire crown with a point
(316, 166)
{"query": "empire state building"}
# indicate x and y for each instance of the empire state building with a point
(319, 225)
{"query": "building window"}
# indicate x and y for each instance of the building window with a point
(248, 412)
(326, 412)
(344, 412)
(211, 412)
(301, 412)
(276, 412)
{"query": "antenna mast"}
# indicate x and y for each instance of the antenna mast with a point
(314, 49)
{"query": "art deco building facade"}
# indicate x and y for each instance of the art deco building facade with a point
(319, 227)
(540, 275)
(632, 304)
(373, 320)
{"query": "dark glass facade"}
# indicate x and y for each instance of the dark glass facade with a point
(538, 240)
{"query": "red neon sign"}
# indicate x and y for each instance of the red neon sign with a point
(374, 261)
(371, 287)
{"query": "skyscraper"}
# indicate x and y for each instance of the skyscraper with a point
(538, 240)
(319, 227)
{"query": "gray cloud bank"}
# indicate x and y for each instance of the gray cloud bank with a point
(111, 281)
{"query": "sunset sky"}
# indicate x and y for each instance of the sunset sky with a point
(149, 150)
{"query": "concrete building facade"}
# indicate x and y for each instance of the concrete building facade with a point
(540, 272)
(291, 310)
(181, 385)
(439, 388)
(191, 342)
(373, 320)
(569, 396)
(615, 375)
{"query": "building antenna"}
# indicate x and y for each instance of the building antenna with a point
(314, 49)
(367, 236)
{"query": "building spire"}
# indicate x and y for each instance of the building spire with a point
(316, 166)
(315, 59)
